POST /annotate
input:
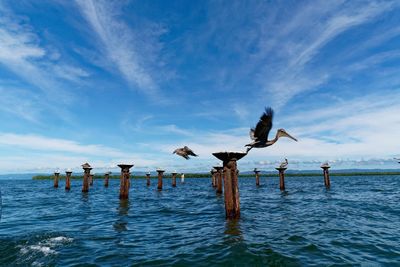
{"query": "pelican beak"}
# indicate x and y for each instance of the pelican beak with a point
(288, 135)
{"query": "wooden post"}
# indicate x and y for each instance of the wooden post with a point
(326, 177)
(257, 173)
(68, 180)
(218, 178)
(213, 178)
(56, 176)
(106, 178)
(124, 181)
(160, 177)
(231, 188)
(281, 178)
(86, 173)
(148, 179)
(91, 179)
(174, 178)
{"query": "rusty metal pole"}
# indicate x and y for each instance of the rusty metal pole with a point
(281, 178)
(326, 177)
(56, 176)
(160, 177)
(124, 181)
(257, 173)
(218, 178)
(148, 178)
(231, 187)
(174, 178)
(85, 186)
(68, 180)
(106, 178)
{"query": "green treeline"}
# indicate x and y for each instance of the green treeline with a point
(206, 175)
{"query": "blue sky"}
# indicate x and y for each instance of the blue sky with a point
(129, 81)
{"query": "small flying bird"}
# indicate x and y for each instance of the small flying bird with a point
(184, 152)
(259, 134)
(284, 164)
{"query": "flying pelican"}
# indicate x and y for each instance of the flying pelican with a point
(259, 134)
(284, 164)
(184, 152)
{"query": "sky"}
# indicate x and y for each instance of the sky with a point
(110, 82)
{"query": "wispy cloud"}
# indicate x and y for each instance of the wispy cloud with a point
(122, 45)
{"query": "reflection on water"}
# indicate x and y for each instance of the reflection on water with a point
(121, 223)
(232, 227)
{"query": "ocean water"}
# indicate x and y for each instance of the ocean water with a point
(356, 222)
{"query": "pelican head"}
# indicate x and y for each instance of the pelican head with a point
(283, 133)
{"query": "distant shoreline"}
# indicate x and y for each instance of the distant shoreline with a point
(205, 175)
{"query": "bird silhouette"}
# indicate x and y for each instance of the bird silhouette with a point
(259, 134)
(184, 152)
(284, 164)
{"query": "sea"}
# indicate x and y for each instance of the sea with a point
(354, 223)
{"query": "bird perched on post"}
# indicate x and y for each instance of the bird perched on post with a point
(284, 164)
(259, 134)
(184, 152)
(325, 165)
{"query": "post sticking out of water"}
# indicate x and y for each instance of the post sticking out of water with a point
(257, 173)
(218, 178)
(91, 179)
(56, 176)
(124, 181)
(281, 178)
(148, 178)
(106, 178)
(68, 180)
(174, 178)
(86, 173)
(213, 177)
(327, 181)
(231, 188)
(160, 177)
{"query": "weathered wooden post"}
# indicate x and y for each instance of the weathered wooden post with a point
(257, 173)
(281, 177)
(56, 176)
(160, 177)
(231, 188)
(213, 178)
(327, 181)
(86, 173)
(218, 178)
(68, 179)
(148, 178)
(124, 181)
(174, 178)
(106, 178)
(91, 178)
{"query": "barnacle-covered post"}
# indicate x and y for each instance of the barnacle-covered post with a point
(327, 181)
(160, 173)
(124, 180)
(281, 177)
(213, 177)
(174, 173)
(148, 178)
(231, 188)
(218, 178)
(106, 178)
(56, 177)
(86, 173)
(68, 179)
(257, 173)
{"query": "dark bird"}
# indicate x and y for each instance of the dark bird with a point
(184, 152)
(259, 134)
(284, 164)
(398, 160)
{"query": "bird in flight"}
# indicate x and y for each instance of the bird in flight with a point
(259, 134)
(184, 152)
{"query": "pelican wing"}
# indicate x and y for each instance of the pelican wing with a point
(251, 133)
(264, 125)
(189, 151)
